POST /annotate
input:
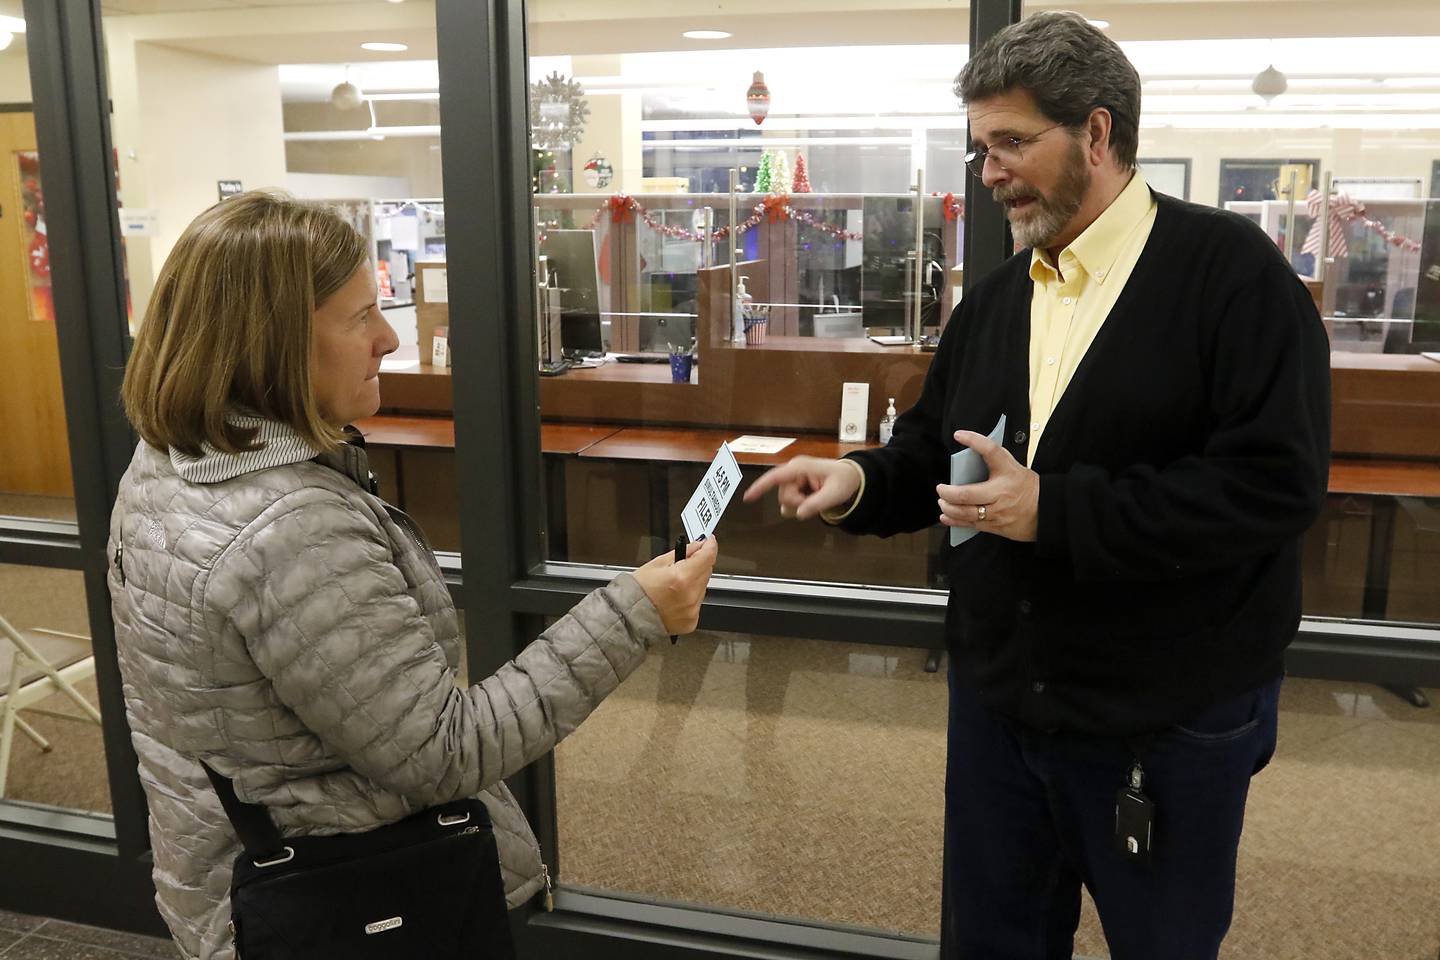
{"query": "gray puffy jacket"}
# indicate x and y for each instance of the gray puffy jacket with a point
(282, 624)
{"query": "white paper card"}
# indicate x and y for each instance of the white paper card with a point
(751, 443)
(437, 285)
(1431, 356)
(967, 466)
(708, 502)
(139, 222)
(854, 403)
(405, 233)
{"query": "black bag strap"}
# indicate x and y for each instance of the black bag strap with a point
(257, 832)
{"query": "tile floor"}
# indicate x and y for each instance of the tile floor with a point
(23, 937)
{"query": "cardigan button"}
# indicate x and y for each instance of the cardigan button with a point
(1025, 607)
(1020, 436)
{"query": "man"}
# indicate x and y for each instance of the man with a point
(1117, 627)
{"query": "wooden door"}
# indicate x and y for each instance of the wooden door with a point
(34, 450)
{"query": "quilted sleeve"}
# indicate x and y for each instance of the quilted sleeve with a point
(313, 589)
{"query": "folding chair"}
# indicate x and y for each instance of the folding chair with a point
(43, 662)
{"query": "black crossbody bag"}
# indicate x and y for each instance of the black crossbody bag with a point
(426, 886)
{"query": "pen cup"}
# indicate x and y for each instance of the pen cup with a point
(755, 330)
(680, 367)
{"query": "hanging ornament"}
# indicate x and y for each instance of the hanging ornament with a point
(779, 173)
(598, 172)
(558, 112)
(757, 98)
(1269, 83)
(801, 183)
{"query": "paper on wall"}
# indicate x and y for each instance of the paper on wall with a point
(435, 285)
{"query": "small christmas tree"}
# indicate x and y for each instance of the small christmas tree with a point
(762, 173)
(801, 183)
(780, 173)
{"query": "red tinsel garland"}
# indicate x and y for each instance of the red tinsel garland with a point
(775, 207)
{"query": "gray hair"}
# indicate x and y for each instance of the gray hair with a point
(1069, 67)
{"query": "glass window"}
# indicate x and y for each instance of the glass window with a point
(726, 230)
(1359, 115)
(730, 228)
(51, 749)
(35, 477)
(209, 103)
(791, 778)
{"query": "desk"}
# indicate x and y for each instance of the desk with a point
(608, 485)
(1382, 481)
(684, 445)
(414, 457)
(659, 447)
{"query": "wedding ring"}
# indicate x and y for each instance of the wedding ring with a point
(980, 514)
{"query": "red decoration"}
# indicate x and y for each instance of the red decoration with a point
(34, 237)
(757, 98)
(953, 206)
(801, 183)
(776, 208)
(620, 207)
(1345, 210)
(39, 256)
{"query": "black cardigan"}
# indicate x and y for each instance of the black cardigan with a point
(1178, 473)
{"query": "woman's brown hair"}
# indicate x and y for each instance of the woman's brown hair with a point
(229, 324)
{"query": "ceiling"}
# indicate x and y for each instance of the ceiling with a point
(330, 32)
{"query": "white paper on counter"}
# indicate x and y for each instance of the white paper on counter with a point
(751, 443)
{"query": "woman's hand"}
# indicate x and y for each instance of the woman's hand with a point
(676, 589)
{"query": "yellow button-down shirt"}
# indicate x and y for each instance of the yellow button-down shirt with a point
(1071, 299)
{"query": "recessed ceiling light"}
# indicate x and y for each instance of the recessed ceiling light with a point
(705, 35)
(1099, 24)
(12, 24)
(385, 47)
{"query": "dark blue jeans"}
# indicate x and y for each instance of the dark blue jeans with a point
(1030, 816)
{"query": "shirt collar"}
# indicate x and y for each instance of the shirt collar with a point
(278, 445)
(1097, 248)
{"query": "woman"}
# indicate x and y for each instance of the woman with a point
(279, 622)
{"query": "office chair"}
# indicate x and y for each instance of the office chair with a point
(43, 662)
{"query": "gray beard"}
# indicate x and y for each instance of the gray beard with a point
(1047, 216)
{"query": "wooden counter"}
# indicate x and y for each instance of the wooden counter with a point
(438, 433)
(1399, 478)
(1385, 405)
(658, 444)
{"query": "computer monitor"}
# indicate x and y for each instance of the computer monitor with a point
(885, 286)
(1425, 332)
(572, 259)
(659, 334)
(580, 335)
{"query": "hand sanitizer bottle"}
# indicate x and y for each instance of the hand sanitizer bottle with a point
(742, 311)
(887, 423)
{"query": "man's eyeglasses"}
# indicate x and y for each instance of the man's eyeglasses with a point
(1006, 152)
